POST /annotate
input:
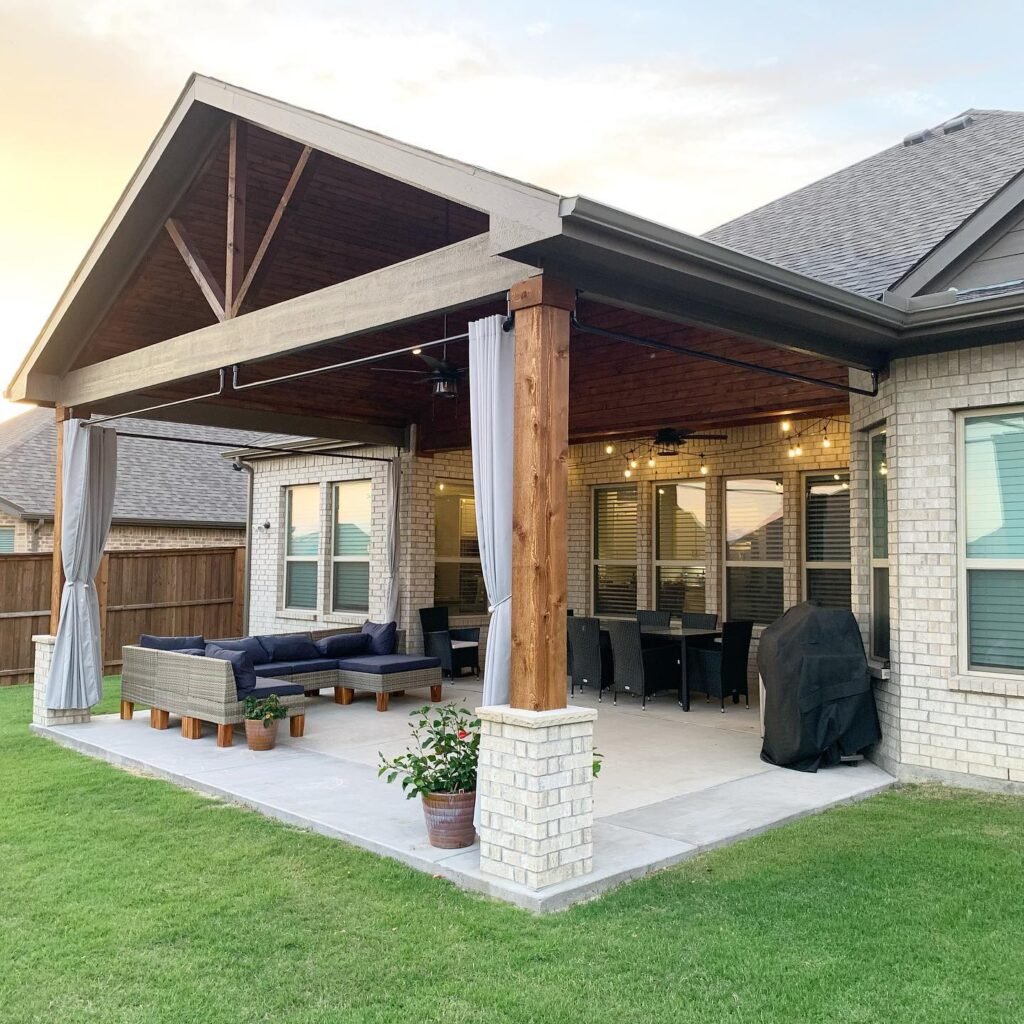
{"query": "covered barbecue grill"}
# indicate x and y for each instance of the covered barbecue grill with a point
(819, 705)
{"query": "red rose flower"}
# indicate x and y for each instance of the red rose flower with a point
(462, 734)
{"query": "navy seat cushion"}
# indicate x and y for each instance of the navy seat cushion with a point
(196, 652)
(170, 643)
(385, 664)
(294, 668)
(343, 645)
(249, 644)
(266, 688)
(293, 647)
(382, 636)
(241, 667)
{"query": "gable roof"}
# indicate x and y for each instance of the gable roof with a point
(157, 481)
(866, 226)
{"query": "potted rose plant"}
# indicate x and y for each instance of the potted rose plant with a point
(441, 769)
(261, 717)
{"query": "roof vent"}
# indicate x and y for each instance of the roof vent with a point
(956, 124)
(916, 138)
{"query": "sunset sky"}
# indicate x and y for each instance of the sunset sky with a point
(689, 113)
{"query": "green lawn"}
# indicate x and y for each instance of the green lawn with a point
(125, 899)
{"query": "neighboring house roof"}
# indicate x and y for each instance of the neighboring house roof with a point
(866, 226)
(157, 481)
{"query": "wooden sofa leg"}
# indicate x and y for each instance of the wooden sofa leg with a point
(127, 710)
(344, 695)
(225, 735)
(159, 719)
(435, 693)
(382, 701)
(297, 726)
(191, 728)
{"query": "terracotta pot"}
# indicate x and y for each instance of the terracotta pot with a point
(449, 818)
(260, 736)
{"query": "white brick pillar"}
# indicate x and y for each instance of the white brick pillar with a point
(41, 714)
(536, 798)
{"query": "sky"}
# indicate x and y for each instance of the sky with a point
(689, 113)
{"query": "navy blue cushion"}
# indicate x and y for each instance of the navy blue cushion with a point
(294, 668)
(385, 664)
(250, 644)
(281, 689)
(294, 647)
(196, 652)
(382, 636)
(344, 645)
(241, 666)
(170, 643)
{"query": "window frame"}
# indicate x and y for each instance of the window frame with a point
(593, 561)
(674, 563)
(349, 559)
(814, 566)
(315, 559)
(964, 564)
(728, 564)
(453, 559)
(873, 562)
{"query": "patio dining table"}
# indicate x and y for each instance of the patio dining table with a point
(683, 634)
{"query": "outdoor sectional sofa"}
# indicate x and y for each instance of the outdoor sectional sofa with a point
(183, 676)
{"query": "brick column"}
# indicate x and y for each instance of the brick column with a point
(536, 794)
(41, 714)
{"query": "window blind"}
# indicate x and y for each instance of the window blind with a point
(995, 615)
(754, 592)
(753, 520)
(303, 520)
(614, 550)
(679, 588)
(458, 577)
(680, 514)
(6, 540)
(827, 518)
(350, 581)
(300, 584)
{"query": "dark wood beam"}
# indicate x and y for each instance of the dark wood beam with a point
(234, 262)
(197, 266)
(300, 176)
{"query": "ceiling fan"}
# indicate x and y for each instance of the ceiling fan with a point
(443, 376)
(669, 440)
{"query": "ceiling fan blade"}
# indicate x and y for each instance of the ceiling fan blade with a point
(706, 437)
(387, 369)
(436, 364)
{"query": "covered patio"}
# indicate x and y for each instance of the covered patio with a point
(363, 252)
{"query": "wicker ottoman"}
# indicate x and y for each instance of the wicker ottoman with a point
(386, 674)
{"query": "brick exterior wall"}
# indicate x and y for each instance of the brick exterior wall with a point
(942, 721)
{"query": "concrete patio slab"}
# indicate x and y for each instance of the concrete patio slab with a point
(673, 785)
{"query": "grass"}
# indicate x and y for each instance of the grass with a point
(125, 899)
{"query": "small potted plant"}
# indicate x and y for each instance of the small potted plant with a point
(441, 769)
(261, 717)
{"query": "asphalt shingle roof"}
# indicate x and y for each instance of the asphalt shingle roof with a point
(157, 481)
(865, 226)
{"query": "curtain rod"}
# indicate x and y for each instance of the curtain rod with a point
(664, 346)
(269, 449)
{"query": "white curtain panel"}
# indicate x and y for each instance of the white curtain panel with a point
(392, 539)
(491, 395)
(90, 477)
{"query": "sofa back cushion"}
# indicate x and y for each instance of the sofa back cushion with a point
(170, 643)
(344, 645)
(382, 636)
(241, 667)
(249, 644)
(196, 652)
(293, 647)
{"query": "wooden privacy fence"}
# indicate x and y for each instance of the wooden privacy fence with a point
(178, 592)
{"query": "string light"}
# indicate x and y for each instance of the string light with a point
(795, 451)
(440, 487)
(651, 462)
(883, 470)
(825, 442)
(609, 449)
(627, 473)
(785, 426)
(703, 465)
(633, 464)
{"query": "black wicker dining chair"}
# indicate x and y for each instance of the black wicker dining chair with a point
(457, 649)
(642, 665)
(699, 620)
(721, 669)
(649, 619)
(590, 655)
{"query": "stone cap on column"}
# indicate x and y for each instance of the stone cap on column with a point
(503, 714)
(44, 638)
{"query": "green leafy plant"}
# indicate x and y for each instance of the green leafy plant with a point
(596, 766)
(444, 758)
(265, 709)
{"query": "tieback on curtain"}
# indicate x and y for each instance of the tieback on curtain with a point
(492, 608)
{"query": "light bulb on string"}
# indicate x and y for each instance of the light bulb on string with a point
(703, 465)
(609, 449)
(627, 473)
(785, 426)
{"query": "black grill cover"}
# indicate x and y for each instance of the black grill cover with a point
(819, 705)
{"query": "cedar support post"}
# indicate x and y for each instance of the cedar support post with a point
(540, 493)
(62, 414)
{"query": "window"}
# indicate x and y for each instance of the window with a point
(879, 498)
(991, 536)
(350, 569)
(6, 540)
(614, 551)
(679, 535)
(827, 539)
(458, 578)
(753, 549)
(302, 546)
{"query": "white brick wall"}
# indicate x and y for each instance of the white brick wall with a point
(41, 714)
